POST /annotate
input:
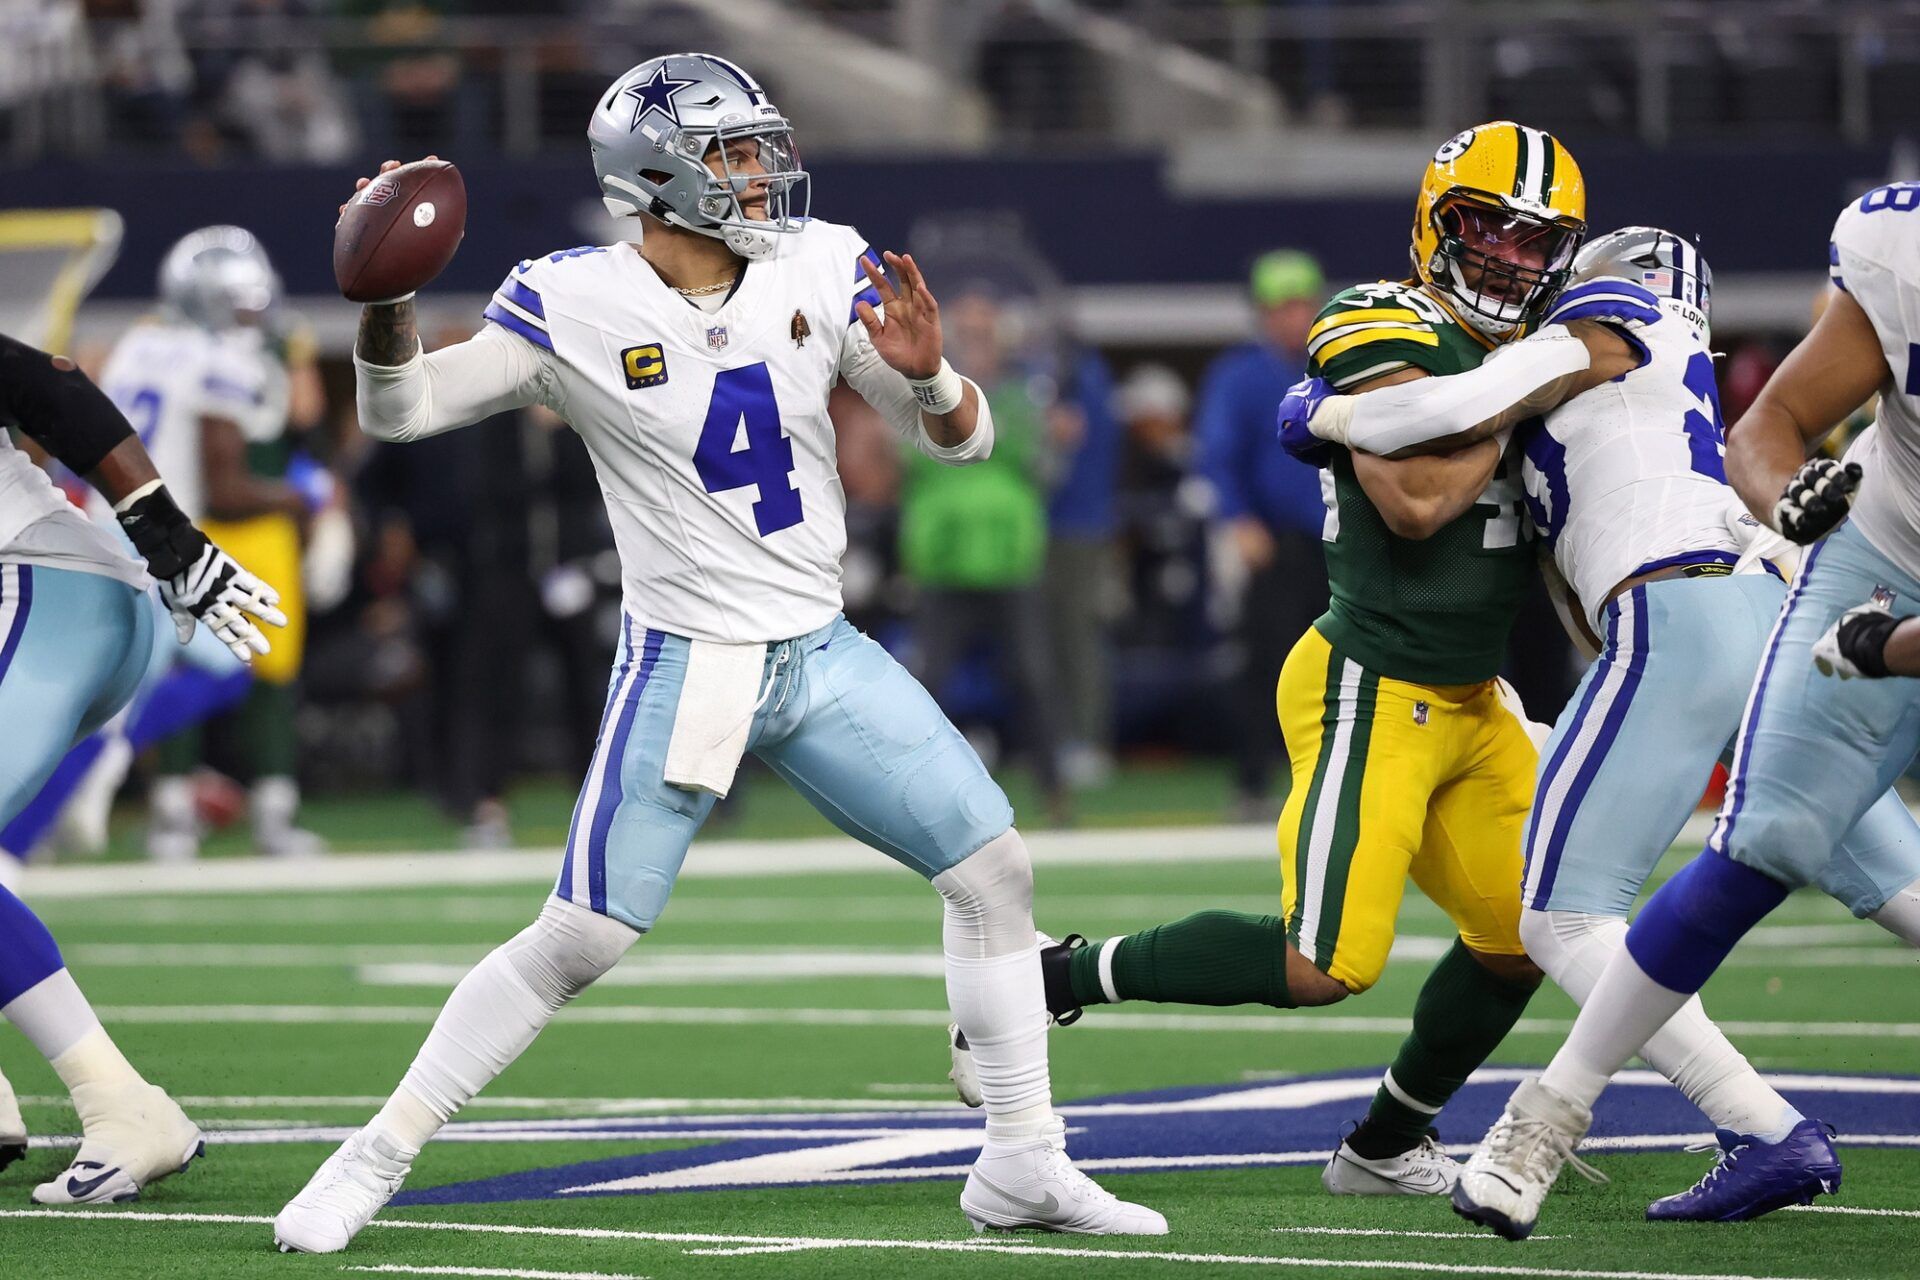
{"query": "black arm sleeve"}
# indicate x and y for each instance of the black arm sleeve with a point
(58, 406)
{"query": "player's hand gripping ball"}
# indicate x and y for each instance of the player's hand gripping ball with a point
(399, 230)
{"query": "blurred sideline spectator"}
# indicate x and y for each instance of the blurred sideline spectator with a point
(973, 541)
(1082, 522)
(1270, 571)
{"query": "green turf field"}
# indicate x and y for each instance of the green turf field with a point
(807, 1005)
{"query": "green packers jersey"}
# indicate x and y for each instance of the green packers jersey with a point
(1437, 610)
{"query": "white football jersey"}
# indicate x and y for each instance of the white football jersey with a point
(1631, 475)
(708, 430)
(166, 376)
(1875, 256)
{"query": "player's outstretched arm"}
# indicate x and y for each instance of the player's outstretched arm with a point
(901, 371)
(1836, 368)
(60, 409)
(403, 394)
(1441, 414)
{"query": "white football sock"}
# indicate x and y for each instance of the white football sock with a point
(1901, 915)
(494, 1014)
(54, 1014)
(1574, 948)
(1624, 1011)
(994, 986)
(11, 1125)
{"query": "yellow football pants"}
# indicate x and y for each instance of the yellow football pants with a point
(1392, 779)
(269, 548)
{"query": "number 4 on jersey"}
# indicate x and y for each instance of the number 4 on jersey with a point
(745, 395)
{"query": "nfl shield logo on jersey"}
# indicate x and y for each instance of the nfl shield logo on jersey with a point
(717, 338)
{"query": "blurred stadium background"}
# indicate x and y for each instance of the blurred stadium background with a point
(1131, 208)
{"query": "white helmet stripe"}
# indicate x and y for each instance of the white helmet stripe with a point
(1535, 148)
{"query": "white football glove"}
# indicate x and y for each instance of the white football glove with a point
(217, 591)
(198, 581)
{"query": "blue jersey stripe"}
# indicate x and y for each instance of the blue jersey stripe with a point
(522, 297)
(508, 320)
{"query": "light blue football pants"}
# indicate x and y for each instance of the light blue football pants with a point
(1816, 752)
(1634, 747)
(73, 648)
(840, 720)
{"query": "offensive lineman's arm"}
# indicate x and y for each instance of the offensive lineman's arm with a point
(1442, 414)
(894, 362)
(1836, 368)
(1418, 496)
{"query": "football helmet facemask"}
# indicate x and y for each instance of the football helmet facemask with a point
(1501, 212)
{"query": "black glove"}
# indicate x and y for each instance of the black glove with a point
(198, 581)
(1857, 644)
(1816, 499)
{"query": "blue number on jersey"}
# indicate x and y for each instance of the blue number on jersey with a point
(142, 408)
(746, 394)
(1706, 430)
(1549, 459)
(1901, 197)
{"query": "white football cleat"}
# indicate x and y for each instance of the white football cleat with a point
(1035, 1186)
(1507, 1179)
(342, 1196)
(1426, 1170)
(134, 1134)
(13, 1130)
(966, 1081)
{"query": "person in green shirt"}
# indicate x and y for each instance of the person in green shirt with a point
(973, 541)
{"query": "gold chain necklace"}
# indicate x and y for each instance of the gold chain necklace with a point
(705, 289)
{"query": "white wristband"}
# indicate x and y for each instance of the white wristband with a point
(391, 302)
(941, 394)
(1331, 420)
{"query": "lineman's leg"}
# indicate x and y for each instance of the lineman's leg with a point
(13, 1130)
(867, 745)
(629, 835)
(1814, 754)
(1347, 833)
(1619, 777)
(1468, 864)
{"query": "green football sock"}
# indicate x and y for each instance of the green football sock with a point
(178, 754)
(266, 730)
(1463, 1013)
(1212, 957)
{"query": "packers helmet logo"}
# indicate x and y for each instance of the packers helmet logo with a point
(1455, 147)
(645, 366)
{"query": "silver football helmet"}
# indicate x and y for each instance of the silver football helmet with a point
(219, 278)
(1662, 262)
(653, 131)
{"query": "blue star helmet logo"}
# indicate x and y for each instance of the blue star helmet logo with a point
(656, 95)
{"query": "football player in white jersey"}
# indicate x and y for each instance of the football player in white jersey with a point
(76, 634)
(1813, 755)
(696, 366)
(1627, 486)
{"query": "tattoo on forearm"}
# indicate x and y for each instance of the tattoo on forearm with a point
(389, 334)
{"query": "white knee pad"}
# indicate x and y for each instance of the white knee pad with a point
(566, 949)
(1571, 947)
(1900, 915)
(989, 897)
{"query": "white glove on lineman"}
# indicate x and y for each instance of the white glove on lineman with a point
(217, 591)
(1856, 644)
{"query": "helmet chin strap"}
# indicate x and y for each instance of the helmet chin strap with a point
(1497, 327)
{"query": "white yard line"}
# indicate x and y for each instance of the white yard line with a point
(677, 1107)
(1382, 1231)
(1849, 1209)
(1305, 1022)
(755, 1244)
(395, 1268)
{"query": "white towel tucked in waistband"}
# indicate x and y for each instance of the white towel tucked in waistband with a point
(715, 715)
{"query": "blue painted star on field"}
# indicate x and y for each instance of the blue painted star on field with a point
(656, 94)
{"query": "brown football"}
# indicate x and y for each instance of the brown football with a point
(399, 231)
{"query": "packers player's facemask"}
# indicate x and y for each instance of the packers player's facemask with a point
(1502, 265)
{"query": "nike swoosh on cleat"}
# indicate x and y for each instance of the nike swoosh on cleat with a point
(80, 1190)
(1048, 1206)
